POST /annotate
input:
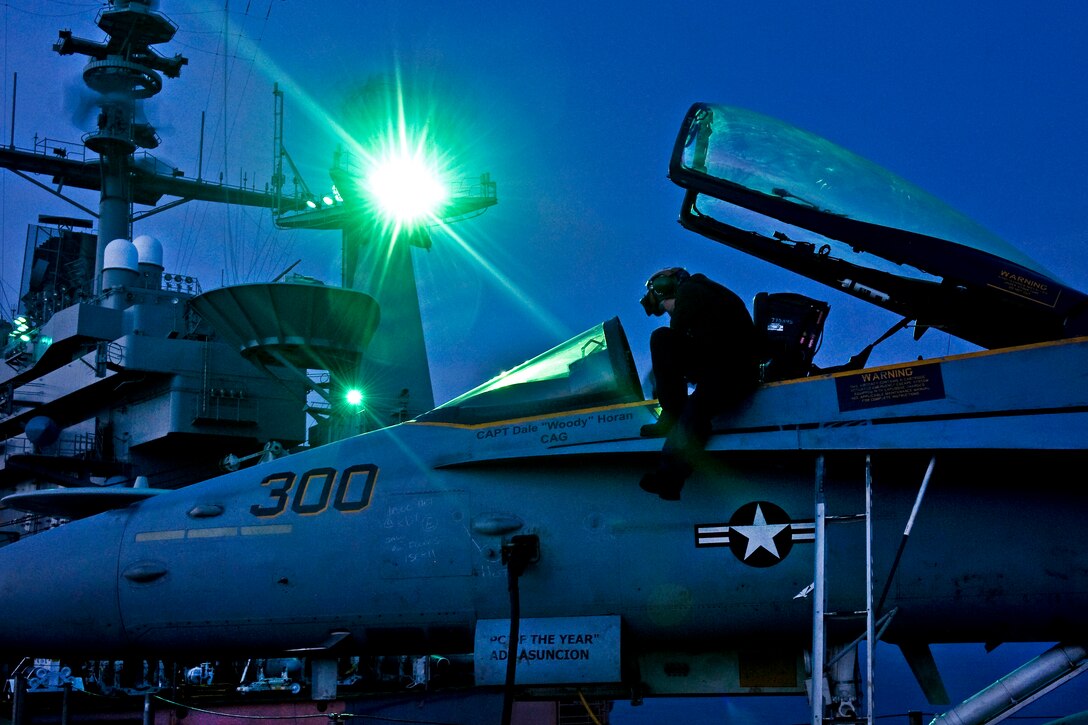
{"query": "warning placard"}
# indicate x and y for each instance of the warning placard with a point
(1023, 283)
(891, 386)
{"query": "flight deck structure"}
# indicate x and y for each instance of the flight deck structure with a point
(85, 314)
(110, 379)
(377, 258)
(122, 379)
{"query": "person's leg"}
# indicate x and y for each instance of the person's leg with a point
(670, 384)
(688, 438)
(685, 441)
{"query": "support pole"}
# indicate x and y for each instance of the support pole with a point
(870, 625)
(819, 642)
(906, 532)
(18, 706)
(14, 93)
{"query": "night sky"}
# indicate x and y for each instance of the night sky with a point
(573, 108)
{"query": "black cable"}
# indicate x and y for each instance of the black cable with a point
(518, 554)
(512, 575)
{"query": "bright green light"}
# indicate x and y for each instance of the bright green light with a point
(407, 188)
(354, 397)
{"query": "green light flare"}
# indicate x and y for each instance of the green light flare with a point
(407, 188)
(354, 397)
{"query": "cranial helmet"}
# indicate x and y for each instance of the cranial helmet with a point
(662, 286)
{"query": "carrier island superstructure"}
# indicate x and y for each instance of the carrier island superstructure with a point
(123, 378)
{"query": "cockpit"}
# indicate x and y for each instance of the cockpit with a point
(801, 202)
(592, 369)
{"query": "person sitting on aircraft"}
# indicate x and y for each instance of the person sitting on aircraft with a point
(710, 342)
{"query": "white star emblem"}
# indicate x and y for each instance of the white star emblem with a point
(760, 534)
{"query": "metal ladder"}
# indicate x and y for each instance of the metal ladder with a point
(820, 660)
(820, 615)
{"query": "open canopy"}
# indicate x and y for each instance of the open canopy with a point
(805, 204)
(591, 369)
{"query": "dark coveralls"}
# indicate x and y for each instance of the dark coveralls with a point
(711, 342)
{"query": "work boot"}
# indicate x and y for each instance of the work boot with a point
(665, 486)
(660, 429)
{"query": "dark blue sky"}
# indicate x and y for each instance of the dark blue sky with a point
(573, 108)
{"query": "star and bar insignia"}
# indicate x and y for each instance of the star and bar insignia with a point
(759, 534)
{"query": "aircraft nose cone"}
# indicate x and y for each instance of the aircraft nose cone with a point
(58, 589)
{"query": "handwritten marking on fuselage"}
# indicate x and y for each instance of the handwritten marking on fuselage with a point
(552, 431)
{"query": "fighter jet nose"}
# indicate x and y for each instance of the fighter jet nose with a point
(58, 589)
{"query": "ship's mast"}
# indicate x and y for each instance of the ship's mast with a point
(124, 70)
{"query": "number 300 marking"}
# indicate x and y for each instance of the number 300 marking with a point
(354, 487)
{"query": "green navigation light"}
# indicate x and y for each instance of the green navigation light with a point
(354, 397)
(407, 188)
